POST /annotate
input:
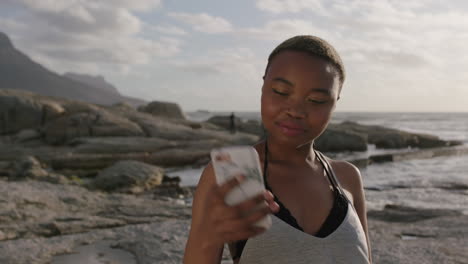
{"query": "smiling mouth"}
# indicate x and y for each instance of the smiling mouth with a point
(290, 130)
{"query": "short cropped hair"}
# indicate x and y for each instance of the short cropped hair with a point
(314, 46)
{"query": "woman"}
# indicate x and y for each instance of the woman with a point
(318, 203)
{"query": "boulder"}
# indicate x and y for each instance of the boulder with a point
(129, 176)
(28, 167)
(85, 124)
(335, 140)
(388, 138)
(26, 135)
(163, 109)
(123, 106)
(167, 129)
(24, 110)
(119, 144)
(124, 145)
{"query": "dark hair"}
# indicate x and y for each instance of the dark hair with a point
(314, 46)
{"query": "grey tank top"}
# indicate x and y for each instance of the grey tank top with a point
(283, 243)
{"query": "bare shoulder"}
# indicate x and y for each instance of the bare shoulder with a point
(349, 177)
(346, 172)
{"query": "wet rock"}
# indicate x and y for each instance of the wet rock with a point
(334, 140)
(404, 214)
(129, 176)
(388, 138)
(419, 154)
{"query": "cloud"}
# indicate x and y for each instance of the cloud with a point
(168, 29)
(291, 6)
(241, 61)
(280, 29)
(203, 22)
(86, 33)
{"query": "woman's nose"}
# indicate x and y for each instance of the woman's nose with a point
(296, 109)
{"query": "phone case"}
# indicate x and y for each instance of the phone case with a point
(231, 161)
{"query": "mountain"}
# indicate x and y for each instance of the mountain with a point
(18, 71)
(94, 81)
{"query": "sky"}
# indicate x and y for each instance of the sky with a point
(400, 56)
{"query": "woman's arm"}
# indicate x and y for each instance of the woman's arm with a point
(350, 179)
(215, 223)
(198, 250)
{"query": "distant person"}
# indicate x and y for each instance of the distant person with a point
(318, 203)
(232, 123)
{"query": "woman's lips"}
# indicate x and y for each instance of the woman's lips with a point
(290, 129)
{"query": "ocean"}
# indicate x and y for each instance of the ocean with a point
(421, 176)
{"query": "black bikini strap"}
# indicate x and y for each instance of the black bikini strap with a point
(331, 174)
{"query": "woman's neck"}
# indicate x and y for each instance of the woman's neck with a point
(289, 154)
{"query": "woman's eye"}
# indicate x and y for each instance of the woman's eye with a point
(278, 92)
(316, 101)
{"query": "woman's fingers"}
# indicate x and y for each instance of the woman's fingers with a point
(249, 204)
(224, 188)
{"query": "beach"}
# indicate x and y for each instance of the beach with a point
(123, 192)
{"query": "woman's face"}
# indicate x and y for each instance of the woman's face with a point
(299, 94)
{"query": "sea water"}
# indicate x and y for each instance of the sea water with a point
(420, 183)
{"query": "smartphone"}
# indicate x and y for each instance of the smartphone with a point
(231, 161)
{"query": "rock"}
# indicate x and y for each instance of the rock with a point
(121, 144)
(37, 209)
(400, 213)
(84, 158)
(26, 135)
(360, 163)
(419, 154)
(250, 126)
(170, 188)
(96, 123)
(28, 167)
(23, 110)
(168, 180)
(163, 109)
(127, 176)
(178, 157)
(182, 130)
(386, 138)
(439, 239)
(334, 139)
(123, 106)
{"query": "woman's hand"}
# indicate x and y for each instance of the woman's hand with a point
(215, 223)
(224, 223)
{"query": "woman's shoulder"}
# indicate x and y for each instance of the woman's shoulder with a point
(348, 176)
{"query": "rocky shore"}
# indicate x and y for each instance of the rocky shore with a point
(82, 180)
(43, 222)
